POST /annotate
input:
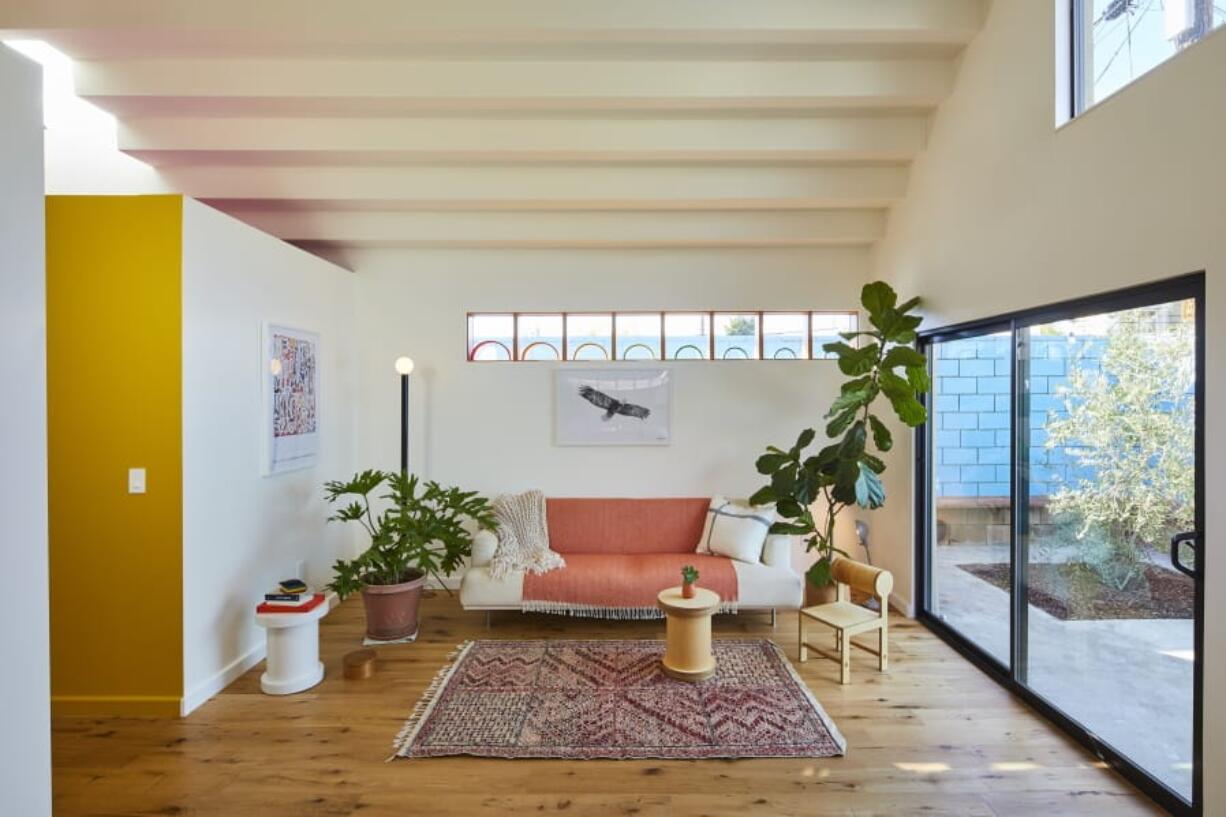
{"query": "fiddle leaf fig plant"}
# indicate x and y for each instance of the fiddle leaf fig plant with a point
(848, 470)
(422, 531)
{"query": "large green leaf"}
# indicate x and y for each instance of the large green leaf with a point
(770, 463)
(764, 496)
(878, 297)
(789, 508)
(853, 442)
(839, 424)
(903, 356)
(848, 400)
(918, 377)
(820, 573)
(881, 435)
(845, 477)
(870, 492)
(802, 442)
(789, 529)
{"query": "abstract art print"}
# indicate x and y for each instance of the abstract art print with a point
(612, 407)
(290, 361)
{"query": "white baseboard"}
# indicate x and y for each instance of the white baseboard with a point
(231, 672)
(222, 679)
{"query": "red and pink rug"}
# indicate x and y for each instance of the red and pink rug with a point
(609, 699)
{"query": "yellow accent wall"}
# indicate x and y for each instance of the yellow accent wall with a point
(114, 400)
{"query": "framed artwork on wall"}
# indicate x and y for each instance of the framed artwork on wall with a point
(612, 406)
(289, 361)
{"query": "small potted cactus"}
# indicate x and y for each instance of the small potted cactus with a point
(689, 575)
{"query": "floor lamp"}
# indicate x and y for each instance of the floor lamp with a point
(404, 367)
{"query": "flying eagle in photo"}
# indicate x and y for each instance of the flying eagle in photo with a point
(612, 405)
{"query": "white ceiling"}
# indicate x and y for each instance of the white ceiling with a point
(541, 123)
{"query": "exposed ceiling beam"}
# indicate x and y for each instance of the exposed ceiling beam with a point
(474, 229)
(167, 141)
(550, 186)
(355, 87)
(374, 21)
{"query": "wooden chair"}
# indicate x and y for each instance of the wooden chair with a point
(848, 619)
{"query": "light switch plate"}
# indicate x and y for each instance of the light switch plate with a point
(136, 480)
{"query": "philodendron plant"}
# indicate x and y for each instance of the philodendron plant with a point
(848, 471)
(422, 531)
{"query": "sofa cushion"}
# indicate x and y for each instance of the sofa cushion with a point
(736, 529)
(625, 526)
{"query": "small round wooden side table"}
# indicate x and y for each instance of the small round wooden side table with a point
(687, 654)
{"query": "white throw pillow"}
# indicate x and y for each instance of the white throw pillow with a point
(736, 530)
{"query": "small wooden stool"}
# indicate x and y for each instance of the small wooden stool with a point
(848, 619)
(687, 654)
(359, 665)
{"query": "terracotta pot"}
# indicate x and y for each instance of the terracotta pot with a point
(687, 590)
(819, 595)
(391, 609)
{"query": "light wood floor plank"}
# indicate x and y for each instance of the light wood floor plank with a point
(932, 737)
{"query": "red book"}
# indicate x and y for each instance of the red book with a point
(273, 607)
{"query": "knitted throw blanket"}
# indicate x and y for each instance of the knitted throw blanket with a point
(523, 538)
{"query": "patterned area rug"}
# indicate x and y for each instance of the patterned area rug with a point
(610, 699)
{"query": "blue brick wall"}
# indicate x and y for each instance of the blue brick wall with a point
(972, 393)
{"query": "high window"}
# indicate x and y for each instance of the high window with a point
(631, 336)
(1116, 41)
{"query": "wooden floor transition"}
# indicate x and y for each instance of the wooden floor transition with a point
(931, 737)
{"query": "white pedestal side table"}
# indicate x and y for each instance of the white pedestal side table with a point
(293, 651)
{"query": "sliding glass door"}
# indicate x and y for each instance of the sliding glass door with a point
(1060, 501)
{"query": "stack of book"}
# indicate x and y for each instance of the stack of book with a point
(292, 596)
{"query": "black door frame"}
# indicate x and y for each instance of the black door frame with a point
(1186, 287)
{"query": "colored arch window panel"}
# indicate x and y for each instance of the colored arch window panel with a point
(785, 335)
(737, 336)
(638, 335)
(589, 336)
(491, 337)
(539, 336)
(687, 335)
(828, 327)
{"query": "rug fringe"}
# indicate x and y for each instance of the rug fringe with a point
(839, 740)
(426, 703)
(562, 608)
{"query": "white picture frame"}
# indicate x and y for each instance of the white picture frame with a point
(612, 406)
(289, 367)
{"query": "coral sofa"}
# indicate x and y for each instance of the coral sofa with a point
(620, 553)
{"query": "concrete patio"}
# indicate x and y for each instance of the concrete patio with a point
(1128, 681)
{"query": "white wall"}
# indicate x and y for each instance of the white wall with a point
(489, 426)
(1006, 212)
(25, 690)
(241, 531)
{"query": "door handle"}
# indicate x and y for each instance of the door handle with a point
(1184, 538)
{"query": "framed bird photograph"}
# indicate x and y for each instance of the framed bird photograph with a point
(612, 406)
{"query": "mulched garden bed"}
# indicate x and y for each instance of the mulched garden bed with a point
(1073, 592)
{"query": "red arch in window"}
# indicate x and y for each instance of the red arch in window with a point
(472, 354)
(523, 353)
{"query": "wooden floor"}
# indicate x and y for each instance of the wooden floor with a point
(931, 737)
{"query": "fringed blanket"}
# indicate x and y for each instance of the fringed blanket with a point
(621, 586)
(523, 537)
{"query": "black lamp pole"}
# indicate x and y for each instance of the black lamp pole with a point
(404, 367)
(404, 423)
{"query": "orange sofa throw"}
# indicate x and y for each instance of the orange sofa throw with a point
(620, 553)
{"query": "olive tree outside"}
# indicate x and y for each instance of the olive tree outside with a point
(1128, 429)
